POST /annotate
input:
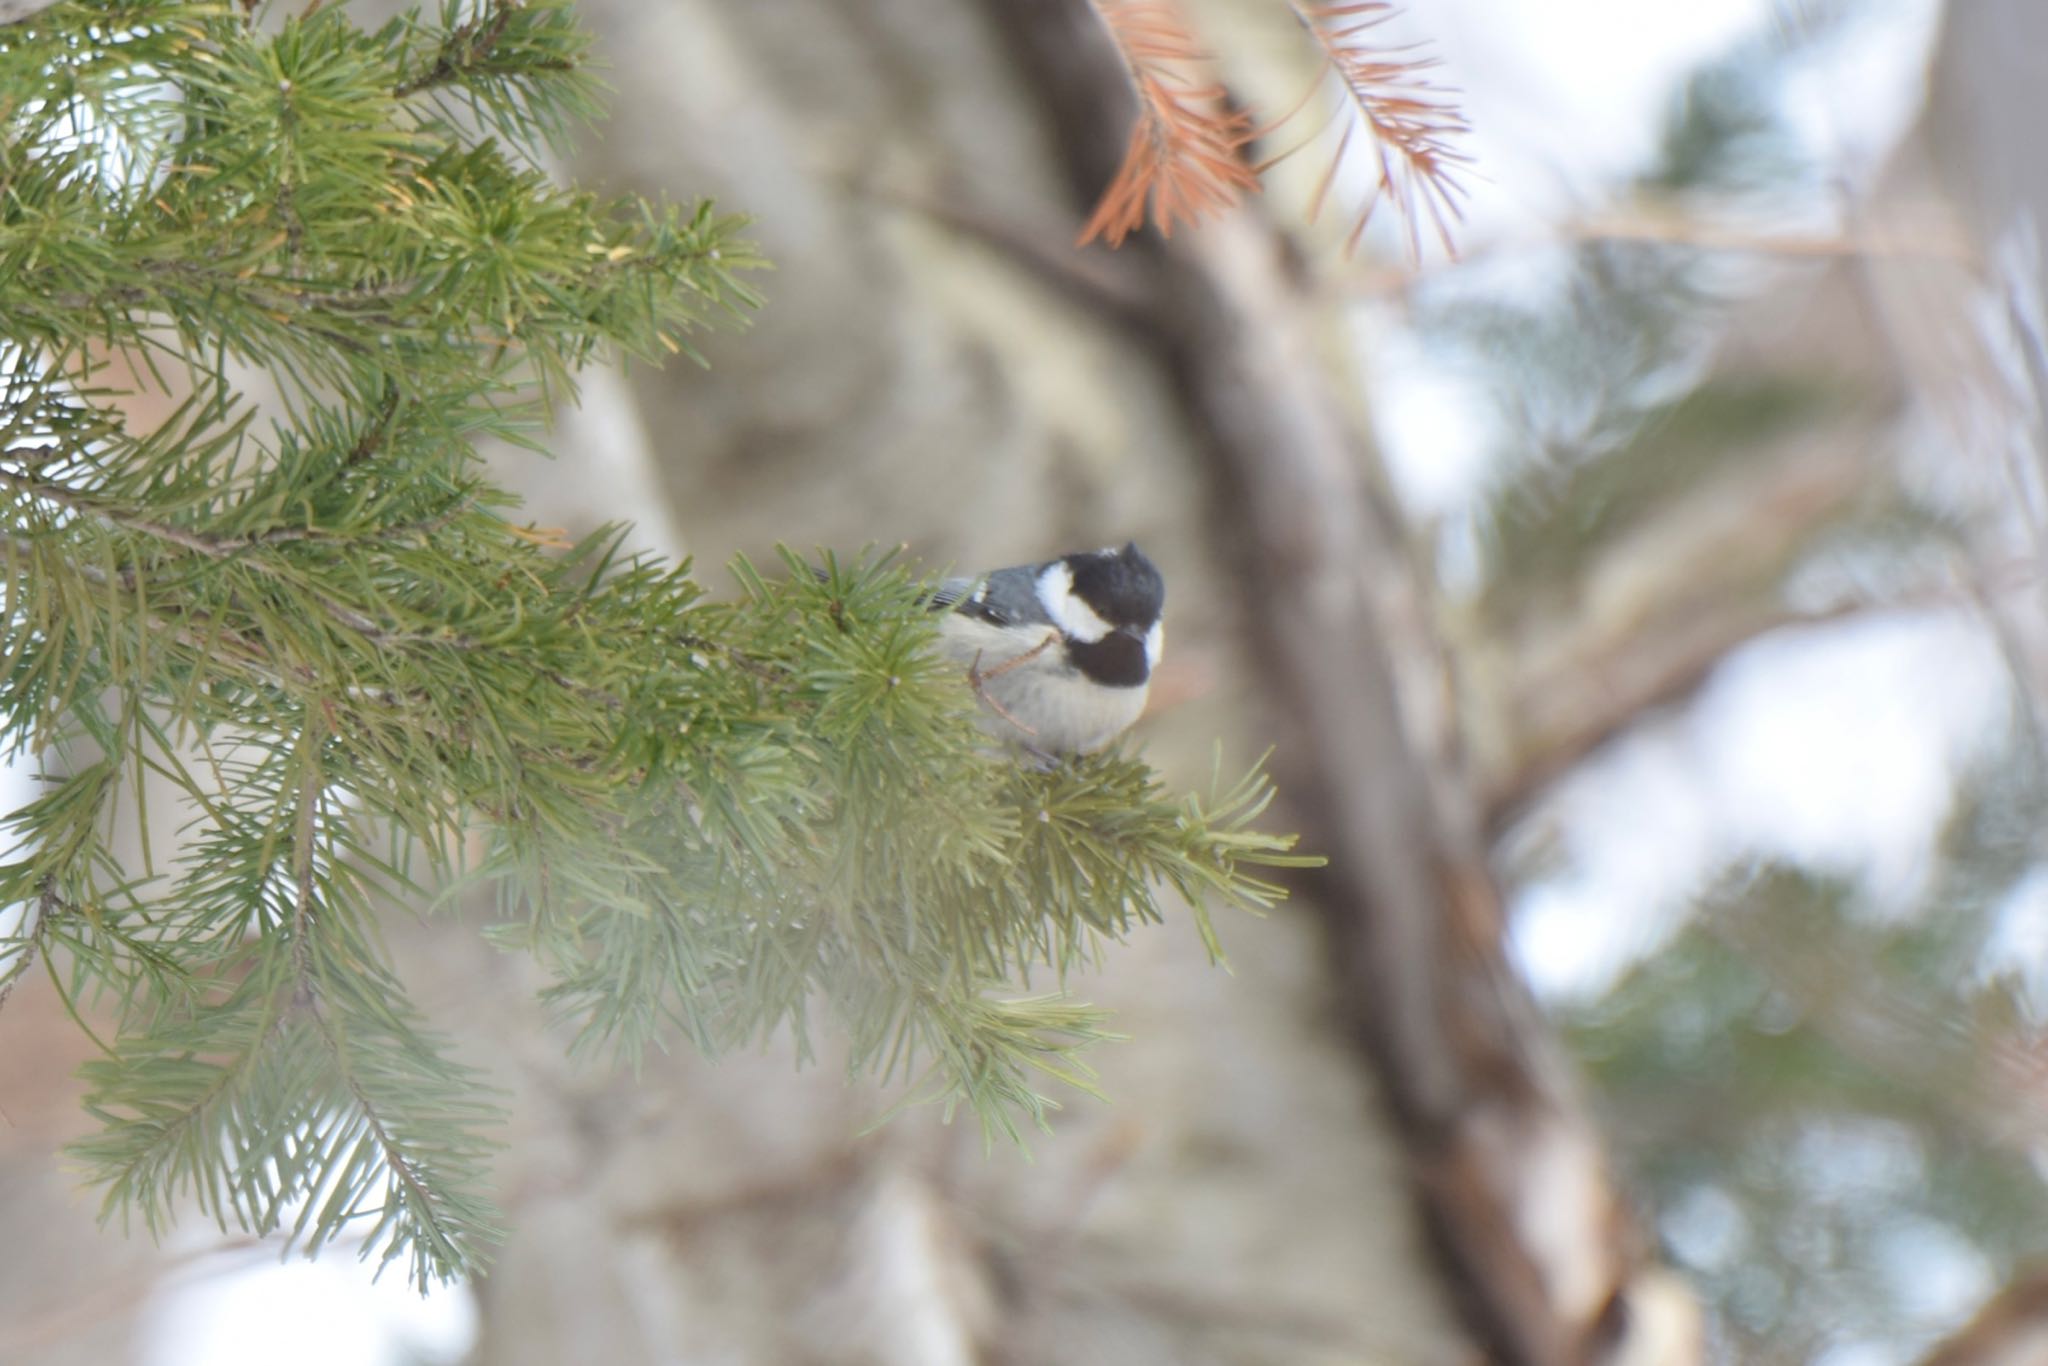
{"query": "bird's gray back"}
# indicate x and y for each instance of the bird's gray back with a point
(1004, 597)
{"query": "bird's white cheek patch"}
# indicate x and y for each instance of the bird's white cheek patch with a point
(1155, 640)
(1073, 616)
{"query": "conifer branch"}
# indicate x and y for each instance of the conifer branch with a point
(470, 50)
(1411, 124)
(213, 547)
(519, 66)
(189, 630)
(1184, 159)
(226, 548)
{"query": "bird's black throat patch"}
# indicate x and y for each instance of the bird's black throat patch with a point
(1115, 661)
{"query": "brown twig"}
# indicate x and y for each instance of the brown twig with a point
(378, 431)
(1652, 223)
(2007, 1331)
(305, 829)
(1715, 563)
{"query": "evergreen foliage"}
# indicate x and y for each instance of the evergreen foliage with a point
(317, 621)
(1817, 1082)
(1817, 1096)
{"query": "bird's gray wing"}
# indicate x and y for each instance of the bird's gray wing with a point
(1005, 597)
(948, 592)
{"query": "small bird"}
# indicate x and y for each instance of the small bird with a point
(1061, 652)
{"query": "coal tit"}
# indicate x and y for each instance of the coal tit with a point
(1060, 653)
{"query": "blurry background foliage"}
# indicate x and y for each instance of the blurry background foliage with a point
(1833, 1099)
(312, 614)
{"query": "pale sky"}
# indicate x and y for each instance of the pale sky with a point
(1838, 748)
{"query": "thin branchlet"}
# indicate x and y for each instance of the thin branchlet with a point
(468, 51)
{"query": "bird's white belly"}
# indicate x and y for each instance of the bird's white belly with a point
(1064, 711)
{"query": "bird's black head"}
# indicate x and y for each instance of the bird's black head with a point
(1121, 586)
